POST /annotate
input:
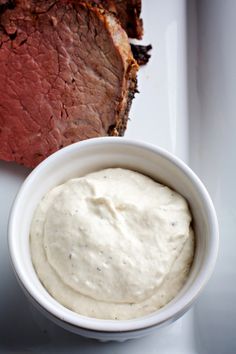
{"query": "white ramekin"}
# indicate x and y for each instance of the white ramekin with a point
(95, 154)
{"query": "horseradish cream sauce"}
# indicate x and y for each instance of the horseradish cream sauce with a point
(114, 244)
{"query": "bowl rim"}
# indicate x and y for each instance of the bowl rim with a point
(101, 325)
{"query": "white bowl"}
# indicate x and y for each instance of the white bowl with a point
(95, 154)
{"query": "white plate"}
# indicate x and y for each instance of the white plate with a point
(185, 106)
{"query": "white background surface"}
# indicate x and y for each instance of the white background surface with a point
(187, 104)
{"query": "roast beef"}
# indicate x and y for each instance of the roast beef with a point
(66, 74)
(128, 13)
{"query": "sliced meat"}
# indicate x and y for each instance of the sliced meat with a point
(128, 13)
(67, 74)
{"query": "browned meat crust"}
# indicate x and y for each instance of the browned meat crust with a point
(141, 53)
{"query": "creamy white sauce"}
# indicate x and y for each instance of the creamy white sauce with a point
(114, 244)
